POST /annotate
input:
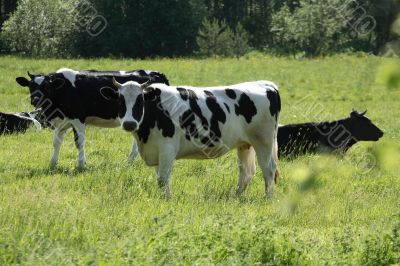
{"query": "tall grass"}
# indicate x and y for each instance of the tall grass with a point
(327, 210)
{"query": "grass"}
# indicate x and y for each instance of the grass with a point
(327, 210)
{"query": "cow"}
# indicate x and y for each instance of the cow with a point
(74, 99)
(326, 137)
(183, 122)
(13, 123)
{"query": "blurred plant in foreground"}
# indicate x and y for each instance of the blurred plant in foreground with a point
(388, 75)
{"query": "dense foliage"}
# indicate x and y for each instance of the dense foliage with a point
(38, 31)
(143, 28)
(217, 38)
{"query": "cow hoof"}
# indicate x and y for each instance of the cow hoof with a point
(167, 195)
(81, 166)
(130, 161)
(53, 165)
(278, 176)
(239, 193)
(269, 194)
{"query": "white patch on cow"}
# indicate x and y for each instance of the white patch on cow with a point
(38, 80)
(80, 141)
(99, 122)
(131, 91)
(69, 74)
(122, 72)
(31, 118)
(60, 123)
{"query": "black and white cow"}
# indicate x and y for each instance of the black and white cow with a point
(326, 137)
(183, 122)
(12, 123)
(72, 99)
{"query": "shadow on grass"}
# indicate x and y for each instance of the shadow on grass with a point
(34, 172)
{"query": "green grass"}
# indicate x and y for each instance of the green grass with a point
(326, 210)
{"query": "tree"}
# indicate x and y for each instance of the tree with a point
(314, 28)
(214, 38)
(240, 41)
(41, 28)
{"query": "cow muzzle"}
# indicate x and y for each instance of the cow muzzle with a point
(129, 126)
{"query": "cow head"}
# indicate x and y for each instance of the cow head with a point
(131, 99)
(41, 87)
(362, 127)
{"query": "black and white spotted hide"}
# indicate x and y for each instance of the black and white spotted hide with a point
(74, 99)
(184, 122)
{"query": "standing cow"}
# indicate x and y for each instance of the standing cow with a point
(71, 98)
(172, 123)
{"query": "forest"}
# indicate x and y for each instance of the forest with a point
(171, 28)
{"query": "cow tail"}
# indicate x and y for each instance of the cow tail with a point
(275, 145)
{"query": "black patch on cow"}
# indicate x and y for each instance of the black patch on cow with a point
(184, 93)
(231, 93)
(137, 109)
(208, 93)
(227, 108)
(218, 115)
(122, 106)
(155, 115)
(151, 94)
(207, 141)
(274, 102)
(76, 137)
(245, 107)
(194, 106)
(186, 122)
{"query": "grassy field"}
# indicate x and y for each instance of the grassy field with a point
(327, 210)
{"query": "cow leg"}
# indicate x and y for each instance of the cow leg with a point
(247, 166)
(79, 137)
(59, 134)
(134, 152)
(268, 165)
(165, 161)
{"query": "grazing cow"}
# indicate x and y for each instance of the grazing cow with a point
(11, 123)
(183, 122)
(72, 98)
(326, 137)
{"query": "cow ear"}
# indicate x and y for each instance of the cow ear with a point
(149, 94)
(109, 93)
(57, 83)
(22, 81)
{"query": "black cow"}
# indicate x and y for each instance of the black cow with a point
(72, 99)
(11, 123)
(326, 137)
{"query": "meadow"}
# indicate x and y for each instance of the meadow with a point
(327, 210)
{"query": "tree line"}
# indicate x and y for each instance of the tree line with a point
(143, 28)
